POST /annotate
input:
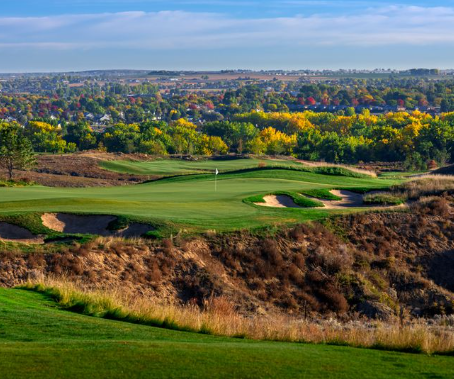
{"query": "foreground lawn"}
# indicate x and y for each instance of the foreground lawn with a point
(37, 340)
(194, 202)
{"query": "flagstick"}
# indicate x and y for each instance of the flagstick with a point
(215, 183)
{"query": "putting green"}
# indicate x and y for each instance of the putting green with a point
(168, 167)
(193, 202)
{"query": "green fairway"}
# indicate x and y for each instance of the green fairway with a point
(167, 167)
(189, 201)
(37, 340)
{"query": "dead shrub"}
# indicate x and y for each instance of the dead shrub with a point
(36, 261)
(167, 245)
(334, 300)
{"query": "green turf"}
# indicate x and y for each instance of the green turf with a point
(322, 193)
(37, 340)
(169, 167)
(195, 202)
(178, 167)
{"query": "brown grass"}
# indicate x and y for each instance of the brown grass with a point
(347, 167)
(218, 316)
(427, 185)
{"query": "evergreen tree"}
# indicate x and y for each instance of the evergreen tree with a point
(16, 152)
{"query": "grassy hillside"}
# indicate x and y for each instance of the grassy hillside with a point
(37, 340)
(183, 167)
(195, 202)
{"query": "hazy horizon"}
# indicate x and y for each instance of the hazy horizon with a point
(80, 35)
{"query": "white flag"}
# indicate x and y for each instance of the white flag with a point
(217, 172)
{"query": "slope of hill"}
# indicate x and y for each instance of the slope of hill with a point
(37, 340)
(376, 264)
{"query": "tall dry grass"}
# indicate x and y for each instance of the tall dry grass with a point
(218, 317)
(426, 185)
(361, 171)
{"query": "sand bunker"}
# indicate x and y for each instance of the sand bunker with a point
(91, 224)
(278, 201)
(14, 233)
(349, 200)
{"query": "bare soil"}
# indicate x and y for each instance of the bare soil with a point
(78, 170)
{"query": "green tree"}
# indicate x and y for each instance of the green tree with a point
(16, 152)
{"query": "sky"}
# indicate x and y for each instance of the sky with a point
(72, 35)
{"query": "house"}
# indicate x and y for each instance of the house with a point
(105, 119)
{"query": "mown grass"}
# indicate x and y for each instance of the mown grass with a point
(193, 203)
(321, 193)
(297, 198)
(178, 167)
(39, 340)
(220, 318)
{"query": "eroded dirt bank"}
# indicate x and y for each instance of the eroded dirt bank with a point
(368, 264)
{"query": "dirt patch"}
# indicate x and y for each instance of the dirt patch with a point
(278, 201)
(14, 233)
(78, 170)
(91, 224)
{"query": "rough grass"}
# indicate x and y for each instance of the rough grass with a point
(384, 199)
(218, 317)
(16, 183)
(427, 185)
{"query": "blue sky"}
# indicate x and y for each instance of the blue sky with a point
(63, 35)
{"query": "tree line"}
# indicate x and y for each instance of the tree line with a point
(414, 138)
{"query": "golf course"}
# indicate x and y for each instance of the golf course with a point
(203, 201)
(34, 332)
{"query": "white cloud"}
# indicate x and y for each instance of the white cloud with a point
(385, 26)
